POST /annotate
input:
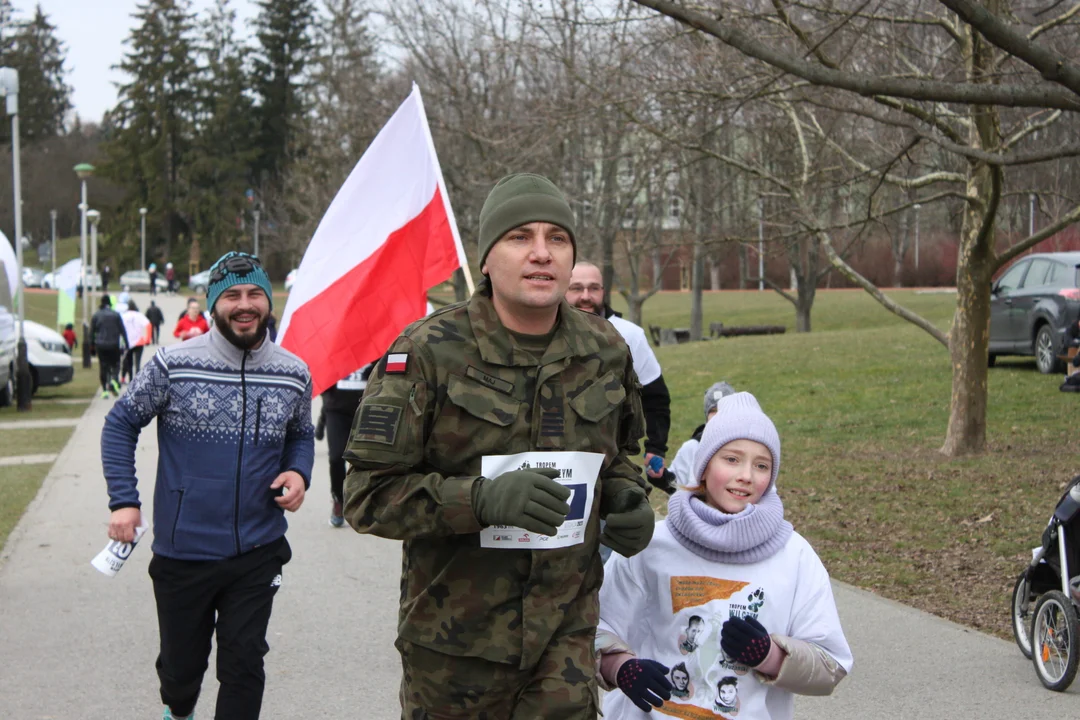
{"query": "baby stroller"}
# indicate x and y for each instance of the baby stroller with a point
(1046, 597)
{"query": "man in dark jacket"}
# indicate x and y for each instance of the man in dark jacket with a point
(156, 318)
(339, 404)
(109, 341)
(235, 450)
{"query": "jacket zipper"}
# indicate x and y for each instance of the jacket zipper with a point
(258, 417)
(240, 452)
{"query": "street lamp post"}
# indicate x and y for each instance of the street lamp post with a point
(1031, 214)
(52, 217)
(142, 218)
(94, 217)
(9, 89)
(84, 171)
(256, 253)
(917, 206)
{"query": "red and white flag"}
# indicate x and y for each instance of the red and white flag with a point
(388, 236)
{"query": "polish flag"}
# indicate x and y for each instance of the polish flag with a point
(388, 236)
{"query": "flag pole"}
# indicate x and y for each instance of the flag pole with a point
(462, 259)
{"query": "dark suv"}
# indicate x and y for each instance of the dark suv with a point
(1034, 308)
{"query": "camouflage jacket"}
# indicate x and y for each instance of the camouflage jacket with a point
(415, 452)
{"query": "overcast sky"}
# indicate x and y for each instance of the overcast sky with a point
(94, 32)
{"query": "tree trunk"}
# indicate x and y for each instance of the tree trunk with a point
(657, 268)
(899, 246)
(742, 267)
(714, 275)
(634, 304)
(970, 333)
(697, 283)
(805, 294)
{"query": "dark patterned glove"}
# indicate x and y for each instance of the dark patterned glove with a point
(745, 641)
(644, 682)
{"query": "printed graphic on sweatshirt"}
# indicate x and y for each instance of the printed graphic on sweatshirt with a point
(727, 697)
(696, 591)
(682, 688)
(753, 605)
(690, 638)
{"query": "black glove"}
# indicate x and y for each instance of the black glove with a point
(745, 641)
(630, 523)
(529, 499)
(644, 682)
(667, 482)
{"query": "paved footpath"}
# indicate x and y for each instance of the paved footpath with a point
(74, 643)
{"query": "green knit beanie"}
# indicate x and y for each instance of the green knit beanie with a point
(518, 200)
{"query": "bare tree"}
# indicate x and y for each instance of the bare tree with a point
(958, 77)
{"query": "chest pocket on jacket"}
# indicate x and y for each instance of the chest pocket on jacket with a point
(482, 402)
(598, 399)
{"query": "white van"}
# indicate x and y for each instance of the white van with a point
(48, 355)
(7, 340)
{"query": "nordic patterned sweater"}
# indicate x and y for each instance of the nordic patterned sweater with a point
(229, 422)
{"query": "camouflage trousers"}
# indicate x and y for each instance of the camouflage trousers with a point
(562, 686)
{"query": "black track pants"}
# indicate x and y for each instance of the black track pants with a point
(236, 596)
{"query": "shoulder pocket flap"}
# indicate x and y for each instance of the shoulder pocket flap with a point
(481, 401)
(599, 398)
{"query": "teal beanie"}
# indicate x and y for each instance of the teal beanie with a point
(254, 276)
(518, 200)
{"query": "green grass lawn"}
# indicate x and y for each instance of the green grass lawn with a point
(36, 441)
(21, 484)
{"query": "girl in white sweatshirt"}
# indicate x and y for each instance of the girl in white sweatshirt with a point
(728, 613)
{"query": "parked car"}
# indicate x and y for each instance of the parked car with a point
(49, 281)
(32, 277)
(139, 281)
(199, 282)
(48, 355)
(1034, 309)
(290, 280)
(7, 341)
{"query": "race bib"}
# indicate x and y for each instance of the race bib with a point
(578, 471)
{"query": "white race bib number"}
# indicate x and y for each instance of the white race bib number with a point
(578, 471)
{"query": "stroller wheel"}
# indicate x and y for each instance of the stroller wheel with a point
(1022, 612)
(1053, 641)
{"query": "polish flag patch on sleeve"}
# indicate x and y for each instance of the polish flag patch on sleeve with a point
(396, 364)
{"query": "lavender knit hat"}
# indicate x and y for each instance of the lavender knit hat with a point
(738, 417)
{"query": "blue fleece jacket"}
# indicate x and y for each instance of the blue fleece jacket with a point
(229, 422)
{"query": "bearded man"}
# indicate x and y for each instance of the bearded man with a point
(235, 450)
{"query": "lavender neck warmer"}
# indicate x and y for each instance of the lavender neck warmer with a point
(756, 533)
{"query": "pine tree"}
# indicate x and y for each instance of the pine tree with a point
(224, 148)
(345, 80)
(285, 48)
(7, 30)
(345, 114)
(33, 49)
(153, 122)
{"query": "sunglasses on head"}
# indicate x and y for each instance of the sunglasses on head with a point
(237, 265)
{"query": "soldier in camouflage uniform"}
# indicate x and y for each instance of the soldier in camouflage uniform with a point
(483, 632)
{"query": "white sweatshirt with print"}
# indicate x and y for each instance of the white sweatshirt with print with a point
(668, 604)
